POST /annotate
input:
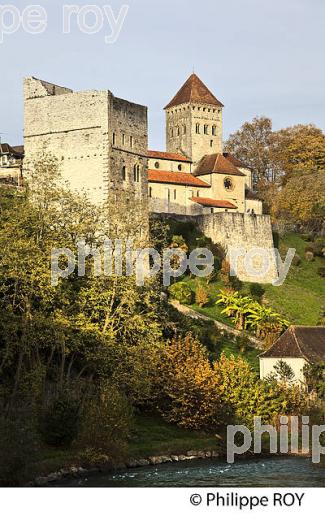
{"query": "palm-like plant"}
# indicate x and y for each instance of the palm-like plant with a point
(266, 321)
(239, 308)
(247, 313)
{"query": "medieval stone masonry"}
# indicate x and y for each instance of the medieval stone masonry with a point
(101, 143)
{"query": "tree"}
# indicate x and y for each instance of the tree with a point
(302, 201)
(284, 371)
(186, 387)
(315, 378)
(86, 328)
(252, 145)
(299, 149)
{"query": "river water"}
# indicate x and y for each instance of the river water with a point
(270, 472)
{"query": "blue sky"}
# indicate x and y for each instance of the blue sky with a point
(259, 57)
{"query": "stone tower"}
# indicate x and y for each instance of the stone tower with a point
(100, 141)
(194, 121)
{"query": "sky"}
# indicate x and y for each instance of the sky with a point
(259, 57)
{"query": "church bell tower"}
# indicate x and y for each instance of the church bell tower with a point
(194, 121)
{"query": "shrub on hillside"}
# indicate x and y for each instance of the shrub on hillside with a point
(59, 422)
(186, 388)
(296, 261)
(181, 292)
(247, 396)
(235, 283)
(256, 290)
(307, 237)
(319, 247)
(201, 297)
(321, 272)
(225, 272)
(105, 423)
(309, 255)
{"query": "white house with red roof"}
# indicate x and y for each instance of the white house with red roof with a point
(195, 176)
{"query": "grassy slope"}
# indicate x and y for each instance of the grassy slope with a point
(302, 295)
(153, 436)
(300, 298)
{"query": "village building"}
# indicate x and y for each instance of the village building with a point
(298, 347)
(195, 176)
(11, 163)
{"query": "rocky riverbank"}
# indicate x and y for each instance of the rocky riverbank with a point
(107, 465)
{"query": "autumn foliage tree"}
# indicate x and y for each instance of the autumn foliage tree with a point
(187, 389)
(302, 200)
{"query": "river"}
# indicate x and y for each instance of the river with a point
(270, 472)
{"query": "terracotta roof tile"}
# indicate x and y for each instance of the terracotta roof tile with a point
(185, 179)
(194, 91)
(301, 342)
(236, 162)
(153, 154)
(216, 163)
(214, 203)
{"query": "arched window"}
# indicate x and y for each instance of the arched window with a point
(184, 129)
(124, 173)
(178, 131)
(114, 139)
(179, 167)
(214, 130)
(136, 173)
(228, 184)
(131, 141)
(171, 132)
(197, 129)
(157, 165)
(150, 192)
(123, 139)
(206, 129)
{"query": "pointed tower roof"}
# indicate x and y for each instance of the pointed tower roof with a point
(194, 91)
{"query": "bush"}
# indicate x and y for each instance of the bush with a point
(225, 272)
(256, 290)
(186, 389)
(105, 423)
(59, 422)
(242, 343)
(296, 261)
(201, 297)
(307, 237)
(309, 255)
(235, 283)
(181, 292)
(321, 272)
(319, 246)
